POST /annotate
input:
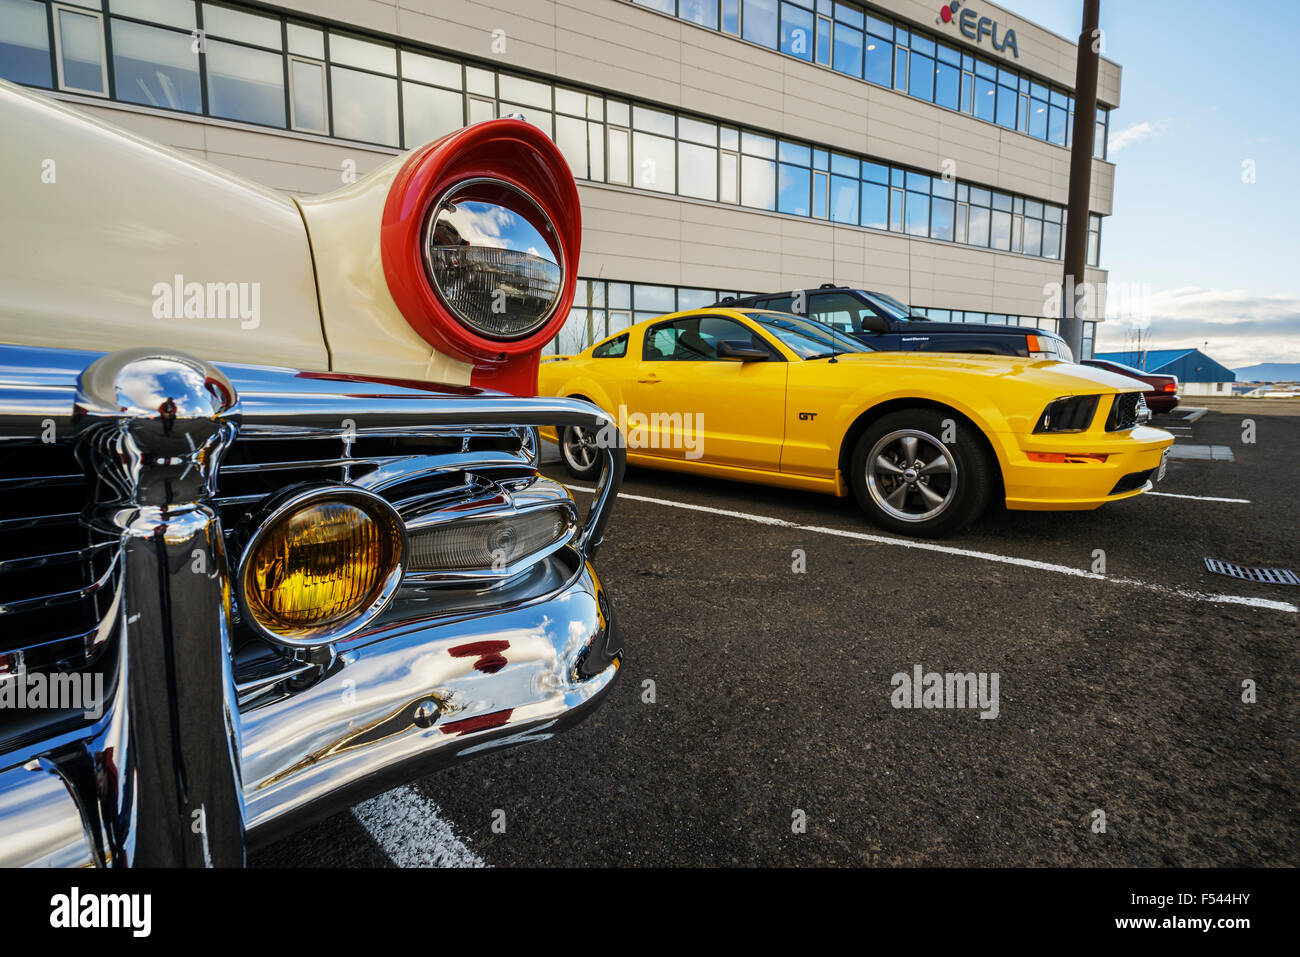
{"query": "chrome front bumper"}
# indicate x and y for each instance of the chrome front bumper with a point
(188, 767)
(366, 727)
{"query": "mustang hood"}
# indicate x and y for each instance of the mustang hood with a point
(1064, 378)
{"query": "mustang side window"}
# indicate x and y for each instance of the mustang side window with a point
(695, 339)
(613, 349)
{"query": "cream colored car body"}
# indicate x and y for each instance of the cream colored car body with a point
(99, 223)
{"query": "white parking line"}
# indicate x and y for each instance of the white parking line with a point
(1203, 498)
(967, 553)
(412, 832)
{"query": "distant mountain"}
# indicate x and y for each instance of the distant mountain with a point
(1270, 372)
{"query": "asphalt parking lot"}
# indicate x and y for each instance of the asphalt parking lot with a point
(1120, 693)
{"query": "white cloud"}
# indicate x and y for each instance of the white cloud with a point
(1134, 133)
(1241, 328)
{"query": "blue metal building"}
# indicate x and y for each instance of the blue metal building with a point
(1197, 372)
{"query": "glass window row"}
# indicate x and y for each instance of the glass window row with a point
(240, 64)
(867, 45)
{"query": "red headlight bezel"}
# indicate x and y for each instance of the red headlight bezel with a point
(515, 153)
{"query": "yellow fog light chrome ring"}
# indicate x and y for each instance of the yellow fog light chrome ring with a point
(321, 563)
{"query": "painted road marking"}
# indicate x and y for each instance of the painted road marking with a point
(411, 830)
(1203, 498)
(967, 553)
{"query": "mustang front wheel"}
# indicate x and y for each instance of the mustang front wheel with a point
(920, 472)
(579, 452)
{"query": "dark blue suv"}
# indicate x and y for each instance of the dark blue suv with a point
(883, 322)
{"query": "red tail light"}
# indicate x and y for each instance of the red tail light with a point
(480, 241)
(1170, 387)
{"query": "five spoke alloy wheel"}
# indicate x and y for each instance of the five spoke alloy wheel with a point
(912, 475)
(922, 471)
(579, 451)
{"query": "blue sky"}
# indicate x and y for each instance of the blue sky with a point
(1206, 87)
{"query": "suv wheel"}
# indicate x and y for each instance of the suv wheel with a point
(908, 479)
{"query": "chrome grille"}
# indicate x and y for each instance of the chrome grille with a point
(54, 579)
(1124, 412)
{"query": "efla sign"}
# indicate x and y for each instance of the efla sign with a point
(974, 27)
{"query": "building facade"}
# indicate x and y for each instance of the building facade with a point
(720, 146)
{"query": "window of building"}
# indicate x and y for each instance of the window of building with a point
(156, 66)
(245, 82)
(878, 50)
(24, 43)
(79, 50)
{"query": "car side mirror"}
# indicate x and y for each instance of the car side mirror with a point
(738, 350)
(873, 323)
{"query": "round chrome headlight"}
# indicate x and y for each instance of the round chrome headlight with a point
(494, 258)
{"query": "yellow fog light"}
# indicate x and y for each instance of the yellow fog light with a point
(321, 564)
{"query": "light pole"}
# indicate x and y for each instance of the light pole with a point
(1085, 130)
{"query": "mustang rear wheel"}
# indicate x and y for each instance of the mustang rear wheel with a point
(921, 472)
(579, 452)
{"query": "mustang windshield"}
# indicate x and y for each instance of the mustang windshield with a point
(808, 338)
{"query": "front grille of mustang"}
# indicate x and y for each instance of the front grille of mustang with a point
(1124, 412)
(55, 585)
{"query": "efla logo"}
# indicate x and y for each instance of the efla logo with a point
(974, 27)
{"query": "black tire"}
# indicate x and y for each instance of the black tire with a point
(572, 440)
(948, 492)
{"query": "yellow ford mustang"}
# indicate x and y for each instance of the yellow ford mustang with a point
(922, 440)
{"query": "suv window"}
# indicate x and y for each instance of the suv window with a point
(615, 348)
(839, 310)
(695, 339)
(777, 304)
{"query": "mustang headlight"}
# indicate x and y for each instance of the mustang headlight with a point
(1071, 414)
(494, 259)
(322, 564)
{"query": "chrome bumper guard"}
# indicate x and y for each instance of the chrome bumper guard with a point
(174, 772)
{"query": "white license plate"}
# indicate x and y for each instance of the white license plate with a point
(1164, 465)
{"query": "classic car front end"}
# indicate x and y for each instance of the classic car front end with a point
(422, 595)
(272, 536)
